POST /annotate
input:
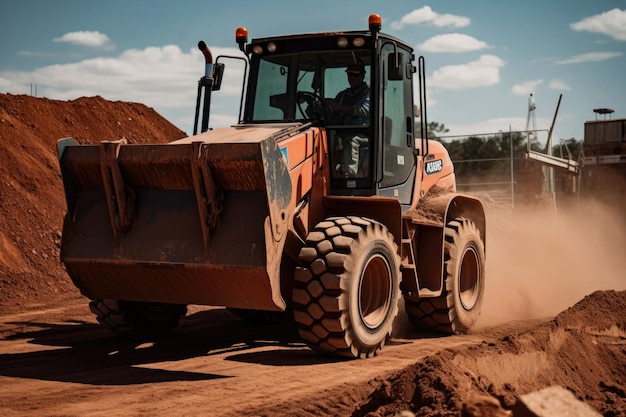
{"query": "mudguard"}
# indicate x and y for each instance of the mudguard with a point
(424, 232)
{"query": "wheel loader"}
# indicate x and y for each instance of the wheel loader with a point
(260, 217)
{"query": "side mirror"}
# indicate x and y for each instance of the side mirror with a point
(394, 67)
(218, 72)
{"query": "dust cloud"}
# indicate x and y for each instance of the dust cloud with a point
(540, 260)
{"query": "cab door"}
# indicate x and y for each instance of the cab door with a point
(397, 160)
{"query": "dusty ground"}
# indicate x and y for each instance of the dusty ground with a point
(555, 313)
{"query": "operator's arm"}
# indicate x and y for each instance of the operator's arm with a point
(342, 108)
(360, 109)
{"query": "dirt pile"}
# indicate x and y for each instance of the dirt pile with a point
(31, 194)
(583, 350)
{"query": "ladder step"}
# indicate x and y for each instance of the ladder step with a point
(426, 293)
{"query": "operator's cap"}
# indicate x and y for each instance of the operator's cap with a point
(357, 68)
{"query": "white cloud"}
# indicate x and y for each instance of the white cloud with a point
(423, 15)
(484, 72)
(611, 23)
(590, 57)
(444, 20)
(559, 85)
(223, 119)
(526, 87)
(93, 39)
(8, 86)
(452, 42)
(164, 78)
(427, 15)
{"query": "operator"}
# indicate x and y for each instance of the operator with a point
(352, 107)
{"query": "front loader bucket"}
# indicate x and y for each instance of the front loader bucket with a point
(202, 220)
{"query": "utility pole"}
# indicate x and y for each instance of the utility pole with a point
(530, 118)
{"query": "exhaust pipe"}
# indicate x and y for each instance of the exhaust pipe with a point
(208, 58)
(205, 83)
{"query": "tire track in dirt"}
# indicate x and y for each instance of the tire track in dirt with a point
(69, 365)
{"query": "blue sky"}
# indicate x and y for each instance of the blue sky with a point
(483, 58)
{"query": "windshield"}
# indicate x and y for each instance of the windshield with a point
(288, 87)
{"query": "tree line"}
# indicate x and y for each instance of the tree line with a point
(489, 156)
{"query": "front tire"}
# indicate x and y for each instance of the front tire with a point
(459, 306)
(346, 290)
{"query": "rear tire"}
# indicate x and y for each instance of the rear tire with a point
(460, 303)
(347, 288)
(137, 320)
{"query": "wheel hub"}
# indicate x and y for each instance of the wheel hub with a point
(469, 277)
(374, 292)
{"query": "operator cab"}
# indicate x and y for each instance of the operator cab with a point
(298, 78)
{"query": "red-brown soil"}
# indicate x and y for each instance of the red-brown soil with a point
(555, 313)
(31, 193)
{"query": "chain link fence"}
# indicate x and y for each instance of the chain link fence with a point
(493, 167)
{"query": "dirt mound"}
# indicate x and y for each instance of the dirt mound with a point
(31, 194)
(583, 349)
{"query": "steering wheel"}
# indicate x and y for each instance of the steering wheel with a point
(317, 108)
